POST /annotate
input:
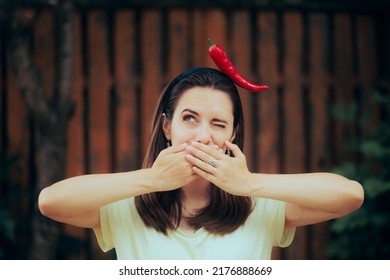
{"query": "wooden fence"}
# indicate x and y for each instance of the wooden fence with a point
(311, 60)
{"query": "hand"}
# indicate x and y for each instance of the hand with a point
(231, 174)
(171, 170)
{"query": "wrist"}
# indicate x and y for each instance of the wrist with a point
(148, 180)
(254, 184)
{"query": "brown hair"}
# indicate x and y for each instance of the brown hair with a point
(162, 210)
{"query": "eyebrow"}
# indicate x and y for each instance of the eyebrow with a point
(196, 113)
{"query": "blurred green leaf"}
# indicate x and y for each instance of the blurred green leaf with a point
(372, 148)
(345, 113)
(374, 187)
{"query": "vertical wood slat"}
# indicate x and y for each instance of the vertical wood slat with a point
(267, 123)
(43, 55)
(75, 142)
(18, 139)
(178, 34)
(200, 58)
(318, 84)
(18, 144)
(99, 100)
(216, 30)
(343, 72)
(241, 58)
(318, 118)
(44, 48)
(268, 137)
(126, 82)
(294, 139)
(75, 164)
(99, 89)
(151, 60)
(367, 65)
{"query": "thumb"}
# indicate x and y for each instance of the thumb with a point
(176, 148)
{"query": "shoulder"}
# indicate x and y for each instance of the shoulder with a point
(268, 209)
(120, 209)
(266, 205)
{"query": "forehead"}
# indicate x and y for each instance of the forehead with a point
(207, 99)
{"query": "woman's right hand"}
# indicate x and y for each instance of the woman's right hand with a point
(171, 170)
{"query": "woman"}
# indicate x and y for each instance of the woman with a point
(195, 197)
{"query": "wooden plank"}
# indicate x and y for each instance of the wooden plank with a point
(126, 82)
(99, 87)
(267, 122)
(99, 83)
(267, 131)
(44, 50)
(319, 84)
(216, 30)
(241, 59)
(178, 33)
(151, 63)
(75, 139)
(200, 56)
(367, 66)
(292, 103)
(294, 138)
(18, 139)
(208, 24)
(320, 159)
(343, 81)
(198, 28)
(75, 146)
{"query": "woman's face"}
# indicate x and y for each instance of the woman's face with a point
(202, 114)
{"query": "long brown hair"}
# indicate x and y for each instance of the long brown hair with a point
(162, 210)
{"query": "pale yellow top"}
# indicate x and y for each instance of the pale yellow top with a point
(122, 229)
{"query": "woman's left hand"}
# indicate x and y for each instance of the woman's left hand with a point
(231, 174)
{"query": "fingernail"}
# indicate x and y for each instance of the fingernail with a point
(189, 156)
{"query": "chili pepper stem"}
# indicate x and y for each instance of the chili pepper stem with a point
(211, 44)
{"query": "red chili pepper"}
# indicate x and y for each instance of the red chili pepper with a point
(220, 58)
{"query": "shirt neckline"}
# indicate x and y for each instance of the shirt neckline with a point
(199, 232)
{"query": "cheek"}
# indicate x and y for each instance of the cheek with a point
(219, 138)
(181, 135)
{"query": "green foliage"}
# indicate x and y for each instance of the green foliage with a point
(365, 233)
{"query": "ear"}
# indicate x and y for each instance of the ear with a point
(166, 126)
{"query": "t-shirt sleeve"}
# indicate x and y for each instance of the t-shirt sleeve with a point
(103, 234)
(283, 235)
(273, 213)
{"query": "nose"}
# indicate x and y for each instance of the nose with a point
(203, 134)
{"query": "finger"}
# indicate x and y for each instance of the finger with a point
(176, 148)
(205, 175)
(196, 162)
(234, 148)
(205, 152)
(202, 158)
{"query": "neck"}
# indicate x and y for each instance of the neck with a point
(196, 194)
